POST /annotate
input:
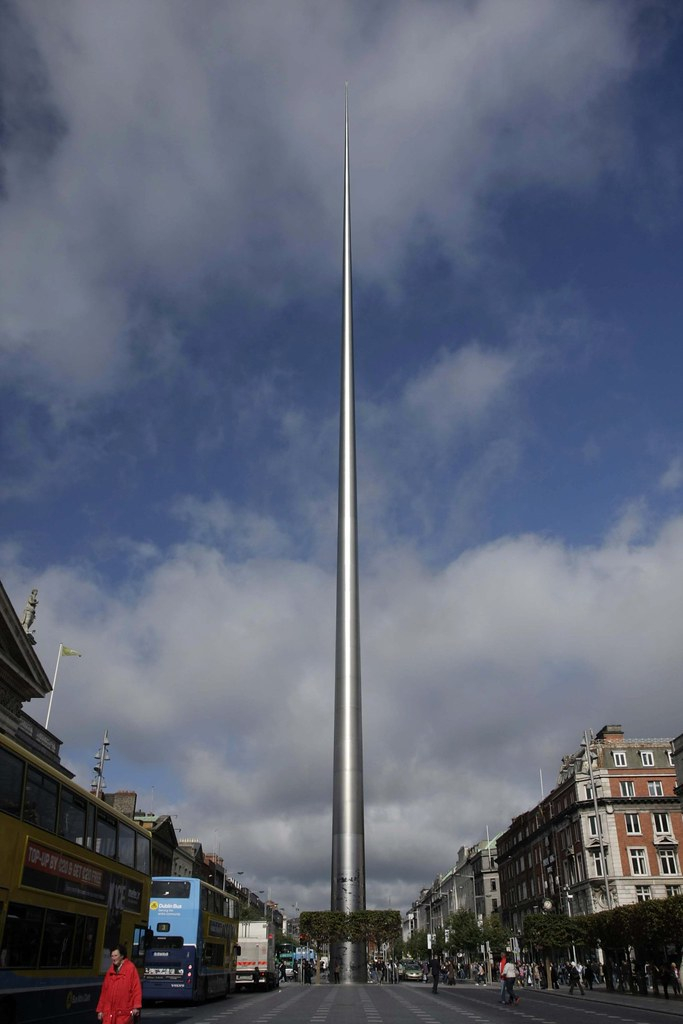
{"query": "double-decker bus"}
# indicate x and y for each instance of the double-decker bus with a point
(286, 955)
(74, 882)
(191, 950)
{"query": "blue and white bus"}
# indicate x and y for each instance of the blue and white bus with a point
(190, 952)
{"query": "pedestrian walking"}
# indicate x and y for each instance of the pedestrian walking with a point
(501, 968)
(575, 978)
(121, 995)
(666, 978)
(435, 967)
(510, 974)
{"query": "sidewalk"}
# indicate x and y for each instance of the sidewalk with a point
(599, 994)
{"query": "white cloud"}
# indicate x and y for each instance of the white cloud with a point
(672, 478)
(242, 532)
(460, 388)
(215, 681)
(183, 150)
(630, 523)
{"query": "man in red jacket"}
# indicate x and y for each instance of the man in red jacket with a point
(121, 996)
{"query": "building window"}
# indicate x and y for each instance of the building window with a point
(592, 825)
(671, 758)
(632, 824)
(619, 759)
(596, 856)
(647, 758)
(494, 903)
(655, 788)
(668, 862)
(627, 789)
(493, 885)
(638, 859)
(660, 823)
(643, 893)
(589, 792)
(673, 890)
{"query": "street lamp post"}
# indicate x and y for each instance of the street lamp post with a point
(598, 822)
(569, 897)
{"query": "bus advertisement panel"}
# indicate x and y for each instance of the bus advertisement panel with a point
(190, 954)
(74, 882)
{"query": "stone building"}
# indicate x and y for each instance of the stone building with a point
(471, 884)
(22, 679)
(607, 835)
(164, 842)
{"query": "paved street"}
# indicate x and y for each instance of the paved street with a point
(415, 1004)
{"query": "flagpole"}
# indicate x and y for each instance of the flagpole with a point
(63, 652)
(54, 683)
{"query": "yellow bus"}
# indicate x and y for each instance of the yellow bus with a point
(74, 882)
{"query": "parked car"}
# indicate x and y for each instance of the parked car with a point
(411, 971)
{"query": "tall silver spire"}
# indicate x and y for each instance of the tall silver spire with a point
(348, 815)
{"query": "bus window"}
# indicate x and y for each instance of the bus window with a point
(22, 935)
(230, 908)
(85, 942)
(40, 800)
(90, 826)
(142, 854)
(174, 888)
(58, 939)
(214, 954)
(126, 846)
(11, 783)
(139, 939)
(72, 816)
(105, 835)
(166, 942)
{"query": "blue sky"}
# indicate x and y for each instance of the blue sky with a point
(170, 317)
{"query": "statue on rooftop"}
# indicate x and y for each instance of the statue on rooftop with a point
(29, 615)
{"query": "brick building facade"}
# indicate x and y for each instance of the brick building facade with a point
(608, 834)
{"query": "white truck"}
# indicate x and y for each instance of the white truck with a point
(257, 952)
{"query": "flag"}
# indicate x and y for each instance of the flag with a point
(68, 652)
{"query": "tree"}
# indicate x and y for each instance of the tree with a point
(497, 936)
(375, 926)
(465, 933)
(552, 934)
(417, 945)
(323, 927)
